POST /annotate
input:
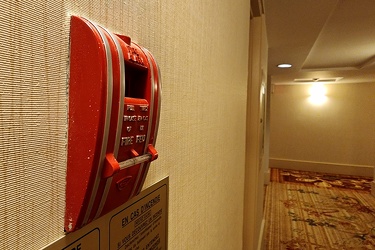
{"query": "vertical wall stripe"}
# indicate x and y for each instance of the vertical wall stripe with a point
(33, 135)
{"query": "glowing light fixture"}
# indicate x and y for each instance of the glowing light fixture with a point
(284, 65)
(317, 94)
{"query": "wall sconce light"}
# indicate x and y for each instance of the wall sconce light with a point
(317, 94)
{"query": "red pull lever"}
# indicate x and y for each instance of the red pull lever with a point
(112, 166)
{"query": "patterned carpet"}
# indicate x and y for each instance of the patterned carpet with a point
(311, 215)
(321, 179)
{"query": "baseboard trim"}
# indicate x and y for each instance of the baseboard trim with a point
(322, 167)
(261, 236)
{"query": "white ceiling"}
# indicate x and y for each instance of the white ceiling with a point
(322, 39)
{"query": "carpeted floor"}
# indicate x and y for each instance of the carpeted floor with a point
(321, 179)
(301, 215)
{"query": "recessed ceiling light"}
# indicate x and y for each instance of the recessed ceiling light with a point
(284, 65)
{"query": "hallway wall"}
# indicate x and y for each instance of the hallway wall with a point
(256, 163)
(337, 136)
(202, 51)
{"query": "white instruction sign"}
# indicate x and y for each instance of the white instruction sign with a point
(142, 225)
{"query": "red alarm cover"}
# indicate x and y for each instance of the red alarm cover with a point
(114, 110)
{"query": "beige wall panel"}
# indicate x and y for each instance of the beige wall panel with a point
(33, 101)
(254, 173)
(340, 131)
(202, 51)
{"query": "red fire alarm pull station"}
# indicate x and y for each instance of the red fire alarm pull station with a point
(114, 108)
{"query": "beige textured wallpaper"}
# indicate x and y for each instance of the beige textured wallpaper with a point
(202, 50)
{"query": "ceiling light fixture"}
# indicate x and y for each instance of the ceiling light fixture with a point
(284, 65)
